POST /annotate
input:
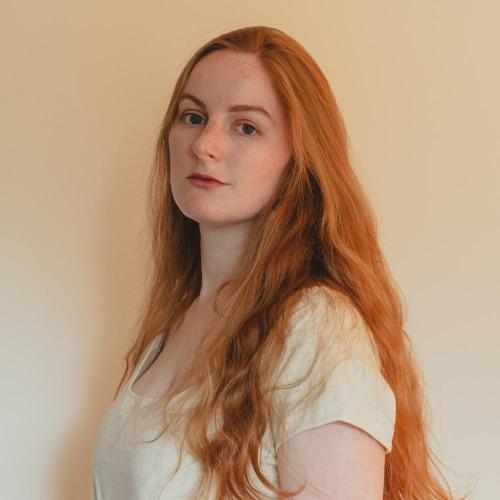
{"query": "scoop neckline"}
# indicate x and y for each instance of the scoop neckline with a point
(139, 397)
(138, 372)
(154, 346)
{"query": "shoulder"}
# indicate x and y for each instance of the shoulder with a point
(329, 318)
(322, 303)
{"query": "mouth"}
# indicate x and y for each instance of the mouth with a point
(202, 177)
(205, 183)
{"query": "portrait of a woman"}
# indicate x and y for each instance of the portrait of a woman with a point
(271, 359)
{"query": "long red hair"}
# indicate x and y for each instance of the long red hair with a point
(319, 230)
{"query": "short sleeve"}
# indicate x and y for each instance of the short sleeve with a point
(330, 344)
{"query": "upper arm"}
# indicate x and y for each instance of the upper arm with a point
(340, 460)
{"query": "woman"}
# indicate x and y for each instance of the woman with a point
(271, 358)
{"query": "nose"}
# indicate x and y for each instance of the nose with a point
(208, 143)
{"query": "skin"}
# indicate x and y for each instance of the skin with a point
(341, 462)
(248, 152)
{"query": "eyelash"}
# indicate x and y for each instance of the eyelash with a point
(196, 114)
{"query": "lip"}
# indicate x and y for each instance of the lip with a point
(205, 183)
(204, 177)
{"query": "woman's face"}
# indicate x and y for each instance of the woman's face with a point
(247, 150)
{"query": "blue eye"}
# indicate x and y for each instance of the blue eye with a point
(248, 125)
(187, 114)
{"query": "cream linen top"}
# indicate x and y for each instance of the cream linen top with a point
(356, 392)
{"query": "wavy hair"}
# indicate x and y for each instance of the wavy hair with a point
(318, 230)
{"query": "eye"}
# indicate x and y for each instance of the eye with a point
(190, 122)
(248, 125)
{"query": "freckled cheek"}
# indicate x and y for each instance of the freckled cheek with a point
(179, 152)
(176, 145)
(255, 176)
(269, 169)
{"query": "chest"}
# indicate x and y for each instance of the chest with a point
(175, 358)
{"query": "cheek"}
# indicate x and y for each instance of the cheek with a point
(175, 144)
(181, 139)
(260, 177)
(271, 168)
(176, 163)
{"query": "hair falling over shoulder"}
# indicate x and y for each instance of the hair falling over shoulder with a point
(319, 230)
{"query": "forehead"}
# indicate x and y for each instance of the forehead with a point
(223, 78)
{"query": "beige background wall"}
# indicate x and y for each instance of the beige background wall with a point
(84, 86)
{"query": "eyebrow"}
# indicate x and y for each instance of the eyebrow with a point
(232, 109)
